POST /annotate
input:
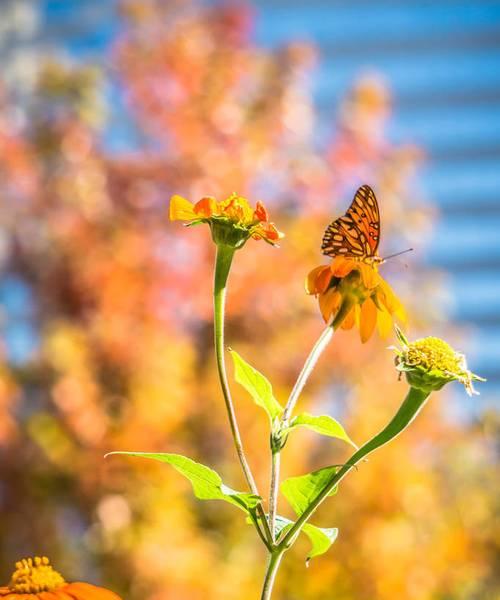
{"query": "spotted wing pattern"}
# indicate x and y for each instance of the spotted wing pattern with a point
(357, 233)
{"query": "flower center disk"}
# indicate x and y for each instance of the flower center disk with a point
(35, 575)
(433, 353)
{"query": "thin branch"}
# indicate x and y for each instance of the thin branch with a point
(273, 494)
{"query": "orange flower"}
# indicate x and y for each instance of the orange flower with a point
(35, 579)
(232, 221)
(353, 292)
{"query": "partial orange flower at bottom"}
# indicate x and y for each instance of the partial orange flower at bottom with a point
(35, 579)
(354, 292)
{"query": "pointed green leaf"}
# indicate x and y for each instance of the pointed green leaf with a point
(321, 539)
(323, 424)
(206, 483)
(281, 525)
(301, 491)
(257, 386)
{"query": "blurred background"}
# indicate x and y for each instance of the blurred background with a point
(106, 109)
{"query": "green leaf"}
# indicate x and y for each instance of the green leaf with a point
(207, 484)
(324, 425)
(257, 386)
(321, 538)
(301, 491)
(281, 525)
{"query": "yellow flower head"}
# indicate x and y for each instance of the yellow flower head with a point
(35, 579)
(430, 363)
(232, 221)
(352, 292)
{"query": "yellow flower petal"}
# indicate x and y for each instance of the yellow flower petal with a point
(388, 298)
(329, 303)
(267, 231)
(373, 302)
(350, 320)
(323, 280)
(237, 209)
(384, 323)
(260, 212)
(368, 320)
(341, 266)
(313, 276)
(181, 209)
(206, 207)
(369, 275)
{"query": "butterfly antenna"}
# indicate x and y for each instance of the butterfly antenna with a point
(397, 254)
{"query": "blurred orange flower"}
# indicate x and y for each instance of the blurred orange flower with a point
(35, 579)
(357, 288)
(235, 211)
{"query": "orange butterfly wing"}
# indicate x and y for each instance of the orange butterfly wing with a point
(357, 233)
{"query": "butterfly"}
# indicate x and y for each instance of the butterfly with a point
(357, 233)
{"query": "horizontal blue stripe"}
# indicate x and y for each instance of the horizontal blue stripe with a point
(440, 128)
(404, 75)
(280, 23)
(473, 242)
(447, 183)
(474, 294)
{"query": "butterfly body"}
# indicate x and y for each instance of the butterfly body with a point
(356, 234)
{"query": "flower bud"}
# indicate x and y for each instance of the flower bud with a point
(232, 221)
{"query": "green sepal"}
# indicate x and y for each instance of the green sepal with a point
(207, 483)
(195, 222)
(403, 340)
(226, 232)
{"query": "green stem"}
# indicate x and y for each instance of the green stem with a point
(309, 365)
(273, 494)
(223, 261)
(255, 520)
(411, 406)
(318, 348)
(306, 371)
(272, 569)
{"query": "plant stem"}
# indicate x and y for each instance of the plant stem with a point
(309, 365)
(411, 406)
(223, 259)
(318, 348)
(273, 494)
(272, 569)
(311, 361)
(255, 520)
